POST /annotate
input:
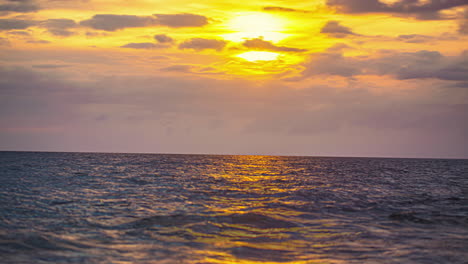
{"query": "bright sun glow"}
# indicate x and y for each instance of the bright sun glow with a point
(255, 25)
(258, 56)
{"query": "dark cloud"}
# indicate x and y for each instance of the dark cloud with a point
(260, 44)
(202, 44)
(109, 22)
(19, 6)
(415, 38)
(59, 27)
(161, 38)
(181, 20)
(403, 66)
(143, 45)
(9, 24)
(334, 29)
(420, 9)
(282, 9)
(115, 22)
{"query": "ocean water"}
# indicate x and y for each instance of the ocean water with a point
(144, 208)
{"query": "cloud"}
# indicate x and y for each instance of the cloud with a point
(423, 64)
(415, 38)
(143, 45)
(19, 33)
(178, 68)
(463, 24)
(91, 34)
(21, 81)
(59, 27)
(463, 27)
(9, 24)
(38, 41)
(283, 9)
(110, 22)
(429, 9)
(193, 115)
(50, 66)
(19, 6)
(332, 64)
(403, 66)
(338, 47)
(461, 85)
(181, 20)
(202, 44)
(162, 38)
(341, 112)
(260, 44)
(34, 99)
(115, 22)
(334, 28)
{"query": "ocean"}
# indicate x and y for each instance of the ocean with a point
(155, 208)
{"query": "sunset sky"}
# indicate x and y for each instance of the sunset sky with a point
(320, 77)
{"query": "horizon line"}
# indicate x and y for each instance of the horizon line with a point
(217, 154)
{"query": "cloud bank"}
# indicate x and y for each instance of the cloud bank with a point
(403, 66)
(203, 44)
(429, 9)
(153, 113)
(10, 24)
(111, 22)
(18, 6)
(335, 29)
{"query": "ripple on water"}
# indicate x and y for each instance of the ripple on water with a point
(135, 208)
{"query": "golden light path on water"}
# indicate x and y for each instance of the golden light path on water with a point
(257, 231)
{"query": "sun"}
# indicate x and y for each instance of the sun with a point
(254, 56)
(249, 25)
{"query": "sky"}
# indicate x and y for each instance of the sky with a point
(373, 78)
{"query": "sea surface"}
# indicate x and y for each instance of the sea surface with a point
(151, 208)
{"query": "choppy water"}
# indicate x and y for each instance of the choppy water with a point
(138, 208)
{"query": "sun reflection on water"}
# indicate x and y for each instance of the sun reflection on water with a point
(252, 225)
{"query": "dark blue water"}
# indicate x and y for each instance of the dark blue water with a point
(141, 208)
